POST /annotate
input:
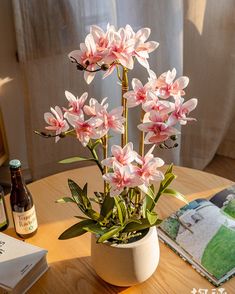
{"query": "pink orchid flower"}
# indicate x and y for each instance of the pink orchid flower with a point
(138, 95)
(121, 47)
(157, 128)
(148, 168)
(113, 120)
(75, 104)
(85, 130)
(95, 108)
(88, 54)
(120, 178)
(166, 87)
(122, 156)
(56, 121)
(143, 49)
(154, 103)
(181, 110)
(100, 37)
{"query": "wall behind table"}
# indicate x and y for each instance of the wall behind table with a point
(11, 95)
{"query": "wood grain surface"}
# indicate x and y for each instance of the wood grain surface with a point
(69, 260)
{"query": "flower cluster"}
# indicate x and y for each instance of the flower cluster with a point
(111, 48)
(129, 177)
(161, 115)
(125, 171)
(98, 123)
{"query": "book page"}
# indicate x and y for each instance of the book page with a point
(205, 232)
(225, 200)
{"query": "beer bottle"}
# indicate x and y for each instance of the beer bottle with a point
(23, 210)
(4, 222)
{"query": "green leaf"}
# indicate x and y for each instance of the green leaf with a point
(96, 143)
(75, 230)
(110, 233)
(175, 194)
(167, 181)
(147, 205)
(152, 217)
(65, 200)
(76, 192)
(132, 220)
(92, 214)
(131, 227)
(75, 159)
(107, 206)
(94, 228)
(80, 217)
(80, 195)
(121, 209)
(169, 169)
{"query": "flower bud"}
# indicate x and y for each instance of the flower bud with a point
(80, 66)
(104, 67)
(62, 135)
(173, 137)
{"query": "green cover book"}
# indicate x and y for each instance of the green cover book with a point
(203, 233)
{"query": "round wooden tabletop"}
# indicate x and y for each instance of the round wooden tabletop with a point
(69, 260)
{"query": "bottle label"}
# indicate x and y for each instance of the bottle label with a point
(25, 222)
(3, 218)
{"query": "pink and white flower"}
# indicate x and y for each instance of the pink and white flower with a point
(148, 168)
(75, 104)
(121, 177)
(181, 110)
(121, 48)
(88, 56)
(122, 156)
(56, 121)
(95, 108)
(143, 49)
(154, 103)
(138, 95)
(157, 128)
(166, 86)
(85, 130)
(111, 120)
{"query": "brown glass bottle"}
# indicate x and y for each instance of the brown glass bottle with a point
(4, 222)
(22, 206)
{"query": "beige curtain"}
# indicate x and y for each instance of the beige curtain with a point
(209, 60)
(48, 30)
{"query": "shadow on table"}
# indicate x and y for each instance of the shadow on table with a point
(73, 276)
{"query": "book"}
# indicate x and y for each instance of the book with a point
(203, 234)
(21, 264)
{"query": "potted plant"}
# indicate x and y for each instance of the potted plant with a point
(124, 246)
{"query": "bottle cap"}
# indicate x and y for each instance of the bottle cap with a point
(15, 163)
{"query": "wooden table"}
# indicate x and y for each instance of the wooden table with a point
(70, 264)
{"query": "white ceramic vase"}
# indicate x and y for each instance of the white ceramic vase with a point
(126, 264)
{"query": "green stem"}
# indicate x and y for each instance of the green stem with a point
(125, 111)
(141, 144)
(105, 154)
(95, 156)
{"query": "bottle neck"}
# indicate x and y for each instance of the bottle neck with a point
(17, 179)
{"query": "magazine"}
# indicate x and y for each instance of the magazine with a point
(203, 233)
(21, 264)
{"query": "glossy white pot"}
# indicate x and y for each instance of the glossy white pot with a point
(126, 264)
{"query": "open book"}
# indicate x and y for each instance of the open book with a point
(21, 264)
(203, 233)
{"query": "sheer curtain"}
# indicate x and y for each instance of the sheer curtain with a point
(209, 61)
(196, 37)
